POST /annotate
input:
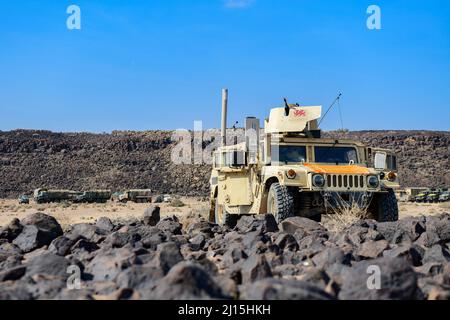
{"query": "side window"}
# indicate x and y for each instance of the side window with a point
(391, 162)
(394, 163)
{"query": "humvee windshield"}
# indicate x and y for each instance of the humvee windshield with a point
(289, 154)
(338, 155)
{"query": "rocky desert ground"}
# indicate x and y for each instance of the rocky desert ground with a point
(156, 252)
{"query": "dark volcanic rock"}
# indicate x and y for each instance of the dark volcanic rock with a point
(331, 256)
(290, 225)
(170, 225)
(14, 291)
(31, 238)
(12, 230)
(139, 277)
(47, 263)
(286, 241)
(200, 260)
(105, 224)
(84, 230)
(186, 281)
(12, 274)
(372, 249)
(167, 255)
(397, 280)
(436, 253)
(412, 253)
(151, 215)
(282, 289)
(107, 264)
(39, 230)
(61, 245)
(261, 223)
(255, 268)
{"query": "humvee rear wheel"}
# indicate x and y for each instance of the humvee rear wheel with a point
(384, 207)
(222, 218)
(280, 202)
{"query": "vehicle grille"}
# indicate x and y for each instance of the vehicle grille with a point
(348, 181)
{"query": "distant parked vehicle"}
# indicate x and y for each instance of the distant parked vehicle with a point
(115, 196)
(445, 196)
(47, 196)
(23, 199)
(413, 192)
(93, 196)
(422, 196)
(433, 196)
(134, 195)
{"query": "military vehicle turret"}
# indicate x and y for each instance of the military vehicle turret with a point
(287, 169)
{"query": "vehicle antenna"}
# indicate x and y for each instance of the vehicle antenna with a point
(340, 114)
(331, 106)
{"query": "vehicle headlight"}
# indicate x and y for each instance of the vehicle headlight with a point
(372, 181)
(291, 174)
(318, 180)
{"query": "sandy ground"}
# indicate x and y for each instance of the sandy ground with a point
(67, 213)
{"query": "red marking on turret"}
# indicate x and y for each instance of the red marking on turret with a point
(299, 113)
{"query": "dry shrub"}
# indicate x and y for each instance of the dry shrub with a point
(345, 212)
(177, 203)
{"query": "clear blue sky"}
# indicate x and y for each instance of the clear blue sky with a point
(161, 64)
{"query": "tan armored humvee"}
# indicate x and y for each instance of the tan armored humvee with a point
(287, 169)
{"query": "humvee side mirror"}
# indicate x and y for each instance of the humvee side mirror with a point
(379, 161)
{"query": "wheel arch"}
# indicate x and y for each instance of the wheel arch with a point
(270, 181)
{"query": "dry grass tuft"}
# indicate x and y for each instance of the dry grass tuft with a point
(177, 203)
(346, 212)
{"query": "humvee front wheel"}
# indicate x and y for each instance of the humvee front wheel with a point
(222, 218)
(280, 202)
(384, 207)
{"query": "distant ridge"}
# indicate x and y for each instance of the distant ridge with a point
(141, 159)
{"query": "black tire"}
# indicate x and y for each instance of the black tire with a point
(384, 207)
(280, 202)
(222, 218)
